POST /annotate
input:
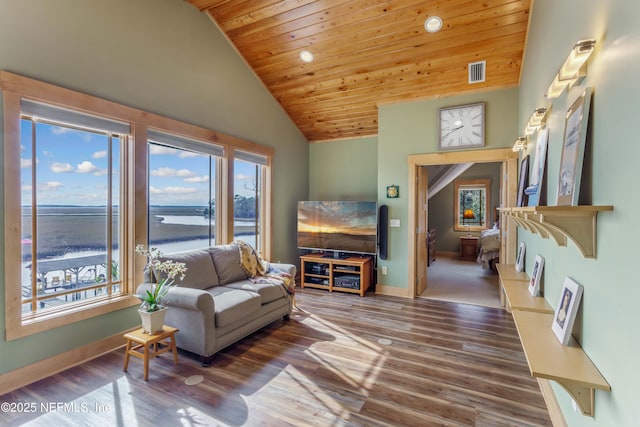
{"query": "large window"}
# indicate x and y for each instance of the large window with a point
(86, 180)
(182, 192)
(248, 187)
(70, 201)
(471, 199)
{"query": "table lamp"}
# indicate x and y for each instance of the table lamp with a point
(467, 215)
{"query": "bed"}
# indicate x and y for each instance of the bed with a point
(489, 248)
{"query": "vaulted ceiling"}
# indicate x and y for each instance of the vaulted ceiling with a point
(369, 53)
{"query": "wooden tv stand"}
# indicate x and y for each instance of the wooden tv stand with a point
(351, 274)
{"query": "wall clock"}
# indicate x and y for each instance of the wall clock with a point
(462, 126)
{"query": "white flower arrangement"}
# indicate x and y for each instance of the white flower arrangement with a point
(152, 300)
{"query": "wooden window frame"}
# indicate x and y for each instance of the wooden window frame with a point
(459, 185)
(134, 189)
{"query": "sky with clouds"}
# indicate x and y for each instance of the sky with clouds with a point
(72, 169)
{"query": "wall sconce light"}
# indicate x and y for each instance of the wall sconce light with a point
(536, 121)
(520, 144)
(574, 69)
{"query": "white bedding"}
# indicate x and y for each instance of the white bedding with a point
(489, 244)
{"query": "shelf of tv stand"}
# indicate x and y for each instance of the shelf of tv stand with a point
(577, 223)
(333, 267)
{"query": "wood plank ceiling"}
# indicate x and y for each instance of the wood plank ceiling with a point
(370, 52)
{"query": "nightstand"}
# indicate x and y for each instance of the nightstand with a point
(468, 248)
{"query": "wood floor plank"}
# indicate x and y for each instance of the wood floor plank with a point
(447, 365)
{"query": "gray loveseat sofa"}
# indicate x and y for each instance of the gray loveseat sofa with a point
(216, 304)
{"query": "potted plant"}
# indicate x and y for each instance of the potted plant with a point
(152, 310)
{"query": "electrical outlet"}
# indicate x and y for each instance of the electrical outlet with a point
(384, 270)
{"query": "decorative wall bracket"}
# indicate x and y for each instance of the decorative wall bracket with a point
(576, 223)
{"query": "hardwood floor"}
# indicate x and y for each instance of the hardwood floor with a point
(448, 364)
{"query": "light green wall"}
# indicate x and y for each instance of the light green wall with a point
(344, 170)
(162, 56)
(441, 206)
(412, 128)
(609, 315)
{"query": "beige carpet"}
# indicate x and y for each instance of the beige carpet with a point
(451, 279)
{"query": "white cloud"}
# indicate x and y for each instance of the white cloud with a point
(25, 163)
(172, 190)
(26, 188)
(241, 177)
(170, 172)
(57, 130)
(162, 150)
(99, 154)
(49, 186)
(101, 172)
(159, 149)
(187, 154)
(197, 179)
(86, 167)
(61, 167)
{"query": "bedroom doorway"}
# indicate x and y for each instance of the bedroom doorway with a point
(418, 213)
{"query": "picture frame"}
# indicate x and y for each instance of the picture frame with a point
(534, 192)
(523, 181)
(393, 191)
(520, 257)
(566, 310)
(536, 275)
(573, 145)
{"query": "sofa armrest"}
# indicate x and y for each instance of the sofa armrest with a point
(187, 298)
(287, 268)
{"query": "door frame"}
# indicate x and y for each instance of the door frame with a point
(508, 189)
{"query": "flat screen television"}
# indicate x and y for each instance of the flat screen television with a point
(339, 226)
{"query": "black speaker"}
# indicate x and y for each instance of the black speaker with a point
(383, 231)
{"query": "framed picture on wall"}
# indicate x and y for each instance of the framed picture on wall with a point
(520, 257)
(575, 136)
(523, 181)
(536, 275)
(566, 310)
(534, 192)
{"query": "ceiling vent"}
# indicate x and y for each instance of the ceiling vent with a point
(477, 72)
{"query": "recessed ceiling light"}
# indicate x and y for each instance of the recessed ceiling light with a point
(306, 56)
(433, 24)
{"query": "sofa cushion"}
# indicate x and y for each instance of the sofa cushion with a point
(201, 272)
(233, 305)
(227, 261)
(268, 291)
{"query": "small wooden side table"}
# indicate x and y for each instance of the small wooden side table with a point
(152, 345)
(468, 248)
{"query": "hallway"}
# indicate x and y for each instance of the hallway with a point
(451, 279)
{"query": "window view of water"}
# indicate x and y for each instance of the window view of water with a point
(73, 261)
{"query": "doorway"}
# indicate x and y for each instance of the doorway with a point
(418, 209)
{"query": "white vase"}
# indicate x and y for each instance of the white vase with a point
(152, 321)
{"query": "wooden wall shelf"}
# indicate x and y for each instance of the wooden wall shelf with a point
(548, 359)
(577, 223)
(568, 365)
(519, 298)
